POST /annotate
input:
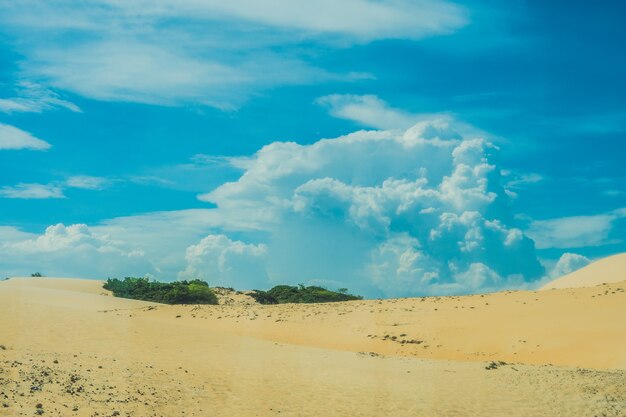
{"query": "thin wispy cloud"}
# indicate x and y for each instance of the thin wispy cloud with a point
(34, 98)
(519, 180)
(32, 191)
(515, 181)
(87, 182)
(575, 231)
(55, 189)
(202, 52)
(371, 111)
(368, 110)
(13, 138)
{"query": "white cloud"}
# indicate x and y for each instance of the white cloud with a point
(225, 262)
(393, 212)
(520, 179)
(359, 20)
(34, 191)
(568, 263)
(86, 182)
(164, 75)
(34, 98)
(201, 52)
(371, 111)
(13, 234)
(152, 243)
(30, 191)
(59, 237)
(74, 250)
(515, 181)
(368, 110)
(162, 236)
(574, 231)
(12, 138)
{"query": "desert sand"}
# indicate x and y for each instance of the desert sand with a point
(68, 348)
(606, 270)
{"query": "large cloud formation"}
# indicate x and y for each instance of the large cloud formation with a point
(384, 213)
(392, 213)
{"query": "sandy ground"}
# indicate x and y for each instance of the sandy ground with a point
(67, 348)
(607, 270)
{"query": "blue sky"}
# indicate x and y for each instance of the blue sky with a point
(141, 138)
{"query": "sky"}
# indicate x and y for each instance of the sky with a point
(393, 147)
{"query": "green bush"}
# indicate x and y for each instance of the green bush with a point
(282, 294)
(179, 292)
(263, 297)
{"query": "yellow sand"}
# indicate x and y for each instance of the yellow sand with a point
(77, 351)
(611, 269)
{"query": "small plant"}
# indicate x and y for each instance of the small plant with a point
(36, 275)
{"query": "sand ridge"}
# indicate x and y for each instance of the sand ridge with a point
(142, 359)
(568, 327)
(611, 269)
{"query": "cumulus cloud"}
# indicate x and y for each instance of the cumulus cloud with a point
(28, 191)
(74, 250)
(13, 234)
(200, 52)
(151, 243)
(568, 263)
(388, 212)
(12, 138)
(226, 262)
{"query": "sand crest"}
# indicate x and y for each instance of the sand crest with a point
(607, 270)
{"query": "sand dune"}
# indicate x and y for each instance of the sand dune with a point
(607, 270)
(75, 351)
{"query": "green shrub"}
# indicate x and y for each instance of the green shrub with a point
(179, 292)
(282, 294)
(263, 297)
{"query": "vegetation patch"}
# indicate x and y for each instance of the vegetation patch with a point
(282, 294)
(179, 292)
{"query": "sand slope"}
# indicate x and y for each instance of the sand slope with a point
(610, 269)
(77, 352)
